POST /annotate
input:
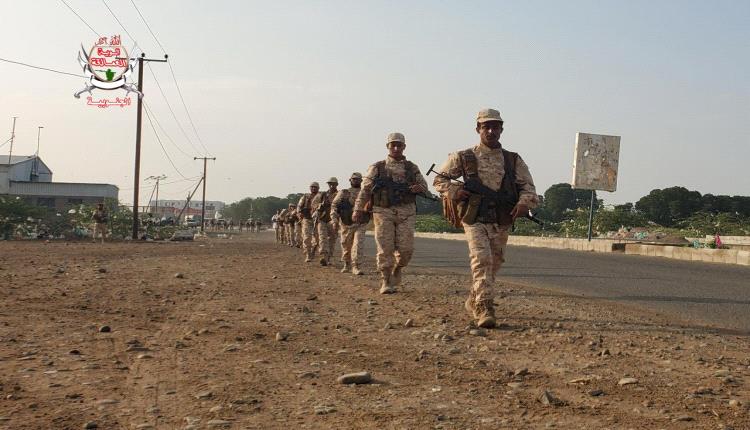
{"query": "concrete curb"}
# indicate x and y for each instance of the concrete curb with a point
(723, 256)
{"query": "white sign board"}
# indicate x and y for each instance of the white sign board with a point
(595, 162)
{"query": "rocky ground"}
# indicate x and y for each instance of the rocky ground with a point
(240, 333)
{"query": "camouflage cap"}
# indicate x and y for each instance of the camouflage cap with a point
(356, 175)
(487, 115)
(332, 180)
(395, 137)
(315, 184)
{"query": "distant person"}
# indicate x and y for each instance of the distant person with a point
(101, 219)
(490, 221)
(304, 214)
(258, 225)
(321, 206)
(352, 234)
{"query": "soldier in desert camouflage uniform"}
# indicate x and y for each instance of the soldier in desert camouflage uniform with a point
(304, 214)
(393, 185)
(487, 234)
(278, 225)
(352, 234)
(326, 227)
(290, 224)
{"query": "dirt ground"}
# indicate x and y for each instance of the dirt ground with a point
(240, 333)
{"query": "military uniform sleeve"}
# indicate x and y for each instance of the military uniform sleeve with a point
(334, 203)
(301, 203)
(451, 168)
(527, 193)
(420, 178)
(367, 185)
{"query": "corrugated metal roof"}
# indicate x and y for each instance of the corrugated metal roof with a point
(62, 189)
(15, 159)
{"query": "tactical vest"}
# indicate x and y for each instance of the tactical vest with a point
(489, 212)
(306, 209)
(324, 210)
(380, 196)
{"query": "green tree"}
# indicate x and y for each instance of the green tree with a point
(561, 198)
(670, 205)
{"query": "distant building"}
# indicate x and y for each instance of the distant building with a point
(30, 178)
(173, 208)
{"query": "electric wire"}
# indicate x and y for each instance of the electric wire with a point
(169, 105)
(164, 51)
(162, 145)
(79, 17)
(121, 26)
(41, 68)
(174, 77)
(163, 131)
(184, 105)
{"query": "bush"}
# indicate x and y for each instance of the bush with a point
(435, 224)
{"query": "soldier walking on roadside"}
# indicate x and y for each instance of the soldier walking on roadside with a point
(101, 219)
(392, 184)
(487, 233)
(321, 206)
(277, 225)
(352, 234)
(304, 214)
(290, 223)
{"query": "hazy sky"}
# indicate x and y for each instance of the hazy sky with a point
(287, 92)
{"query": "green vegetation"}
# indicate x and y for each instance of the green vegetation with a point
(434, 224)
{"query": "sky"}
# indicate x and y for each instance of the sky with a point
(288, 92)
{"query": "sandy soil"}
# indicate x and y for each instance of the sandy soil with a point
(240, 333)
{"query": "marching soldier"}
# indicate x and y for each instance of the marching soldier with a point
(277, 225)
(352, 234)
(321, 206)
(290, 222)
(304, 214)
(487, 220)
(392, 184)
(101, 218)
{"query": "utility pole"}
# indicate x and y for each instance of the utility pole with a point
(12, 136)
(157, 179)
(36, 158)
(137, 178)
(203, 205)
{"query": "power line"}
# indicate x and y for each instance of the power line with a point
(121, 26)
(41, 68)
(79, 17)
(186, 109)
(164, 51)
(162, 145)
(164, 132)
(164, 95)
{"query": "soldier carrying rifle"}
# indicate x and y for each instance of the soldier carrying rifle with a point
(497, 188)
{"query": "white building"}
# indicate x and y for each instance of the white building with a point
(173, 207)
(31, 179)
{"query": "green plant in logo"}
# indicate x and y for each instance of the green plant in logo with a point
(110, 74)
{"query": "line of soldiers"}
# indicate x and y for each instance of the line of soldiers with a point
(501, 191)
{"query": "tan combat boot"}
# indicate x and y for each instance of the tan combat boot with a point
(484, 312)
(323, 261)
(396, 276)
(356, 270)
(385, 283)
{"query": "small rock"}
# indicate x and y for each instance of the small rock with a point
(179, 275)
(627, 381)
(91, 424)
(144, 356)
(107, 402)
(219, 423)
(312, 297)
(596, 393)
(231, 348)
(204, 395)
(521, 372)
(215, 409)
(388, 326)
(145, 426)
(355, 378)
(721, 373)
(409, 323)
(683, 418)
(478, 332)
(105, 329)
(548, 399)
(734, 403)
(514, 384)
(324, 409)
(281, 336)
(605, 352)
(101, 270)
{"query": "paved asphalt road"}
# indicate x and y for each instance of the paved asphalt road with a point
(717, 295)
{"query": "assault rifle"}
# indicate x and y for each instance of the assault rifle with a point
(395, 189)
(474, 186)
